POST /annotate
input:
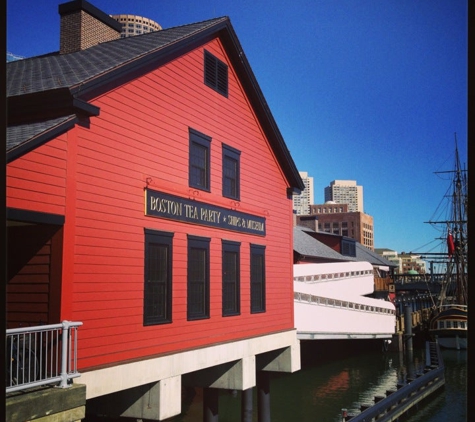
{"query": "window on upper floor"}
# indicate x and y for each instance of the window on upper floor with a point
(258, 279)
(199, 160)
(231, 166)
(231, 278)
(158, 277)
(198, 278)
(216, 73)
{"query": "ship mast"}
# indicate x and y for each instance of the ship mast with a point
(456, 238)
(460, 242)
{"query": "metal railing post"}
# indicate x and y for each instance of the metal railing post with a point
(64, 354)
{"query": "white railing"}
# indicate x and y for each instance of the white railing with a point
(42, 355)
(340, 303)
(312, 278)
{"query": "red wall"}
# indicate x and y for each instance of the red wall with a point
(141, 133)
(37, 181)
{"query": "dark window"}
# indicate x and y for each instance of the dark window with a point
(231, 278)
(158, 278)
(231, 172)
(348, 247)
(216, 74)
(258, 279)
(198, 277)
(199, 160)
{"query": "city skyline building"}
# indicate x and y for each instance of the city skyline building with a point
(303, 201)
(407, 263)
(345, 192)
(135, 25)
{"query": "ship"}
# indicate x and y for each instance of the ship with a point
(448, 323)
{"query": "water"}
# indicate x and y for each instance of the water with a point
(451, 404)
(332, 379)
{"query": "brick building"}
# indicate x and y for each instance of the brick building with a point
(333, 218)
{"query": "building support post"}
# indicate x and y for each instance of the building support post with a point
(263, 396)
(210, 404)
(408, 342)
(246, 405)
(408, 328)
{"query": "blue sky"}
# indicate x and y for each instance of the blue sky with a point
(366, 90)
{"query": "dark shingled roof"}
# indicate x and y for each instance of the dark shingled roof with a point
(17, 135)
(364, 254)
(69, 70)
(306, 245)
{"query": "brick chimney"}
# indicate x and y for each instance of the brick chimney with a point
(84, 25)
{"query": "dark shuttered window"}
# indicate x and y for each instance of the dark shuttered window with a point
(231, 278)
(199, 163)
(258, 279)
(198, 277)
(231, 164)
(158, 278)
(216, 74)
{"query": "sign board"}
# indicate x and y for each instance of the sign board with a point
(163, 205)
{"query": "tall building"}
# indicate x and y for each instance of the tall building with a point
(302, 202)
(345, 192)
(135, 25)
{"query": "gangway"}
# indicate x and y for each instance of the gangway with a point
(331, 302)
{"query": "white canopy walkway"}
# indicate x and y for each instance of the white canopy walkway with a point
(330, 303)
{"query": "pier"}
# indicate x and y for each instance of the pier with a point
(396, 403)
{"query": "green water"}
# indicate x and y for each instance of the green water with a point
(334, 379)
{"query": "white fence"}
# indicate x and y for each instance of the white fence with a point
(42, 355)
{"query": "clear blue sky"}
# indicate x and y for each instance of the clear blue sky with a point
(366, 90)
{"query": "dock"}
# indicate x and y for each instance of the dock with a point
(396, 403)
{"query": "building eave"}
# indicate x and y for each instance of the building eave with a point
(33, 142)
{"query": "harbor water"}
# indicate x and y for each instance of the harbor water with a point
(346, 375)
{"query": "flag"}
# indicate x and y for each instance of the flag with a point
(450, 243)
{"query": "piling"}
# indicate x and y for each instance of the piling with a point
(210, 404)
(408, 328)
(409, 350)
(246, 405)
(263, 396)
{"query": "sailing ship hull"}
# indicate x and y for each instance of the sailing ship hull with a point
(449, 327)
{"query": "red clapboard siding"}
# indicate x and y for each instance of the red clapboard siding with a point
(36, 181)
(142, 136)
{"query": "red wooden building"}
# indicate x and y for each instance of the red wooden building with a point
(149, 197)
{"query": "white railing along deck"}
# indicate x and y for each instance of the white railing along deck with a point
(339, 303)
(41, 355)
